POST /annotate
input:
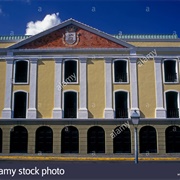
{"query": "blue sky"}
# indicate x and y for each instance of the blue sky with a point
(129, 17)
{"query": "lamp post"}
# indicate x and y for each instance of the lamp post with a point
(135, 120)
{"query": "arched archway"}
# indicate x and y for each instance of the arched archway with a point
(1, 140)
(70, 140)
(148, 140)
(122, 142)
(18, 140)
(173, 139)
(44, 140)
(96, 140)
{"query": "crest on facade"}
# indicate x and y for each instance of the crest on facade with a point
(71, 37)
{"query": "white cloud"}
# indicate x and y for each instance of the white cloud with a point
(49, 21)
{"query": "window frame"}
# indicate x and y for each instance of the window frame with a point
(178, 99)
(77, 71)
(177, 71)
(127, 71)
(27, 94)
(14, 72)
(114, 103)
(77, 103)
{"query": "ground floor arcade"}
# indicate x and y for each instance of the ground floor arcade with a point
(158, 137)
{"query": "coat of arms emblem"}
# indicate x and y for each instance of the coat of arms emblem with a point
(70, 37)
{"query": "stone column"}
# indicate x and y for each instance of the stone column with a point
(160, 111)
(83, 113)
(32, 111)
(7, 111)
(108, 112)
(133, 85)
(57, 111)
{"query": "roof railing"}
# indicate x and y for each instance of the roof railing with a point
(146, 36)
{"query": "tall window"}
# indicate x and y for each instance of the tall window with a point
(70, 104)
(172, 104)
(121, 104)
(21, 72)
(18, 140)
(70, 140)
(148, 140)
(70, 71)
(170, 72)
(173, 139)
(96, 140)
(120, 71)
(20, 104)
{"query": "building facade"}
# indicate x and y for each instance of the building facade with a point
(72, 89)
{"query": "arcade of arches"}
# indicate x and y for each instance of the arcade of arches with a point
(71, 139)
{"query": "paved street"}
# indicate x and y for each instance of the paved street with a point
(88, 170)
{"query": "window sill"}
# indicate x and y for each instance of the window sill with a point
(172, 117)
(21, 83)
(120, 82)
(171, 82)
(19, 118)
(121, 117)
(69, 83)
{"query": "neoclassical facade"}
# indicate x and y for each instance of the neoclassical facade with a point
(66, 89)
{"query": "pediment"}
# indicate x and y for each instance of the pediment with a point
(71, 34)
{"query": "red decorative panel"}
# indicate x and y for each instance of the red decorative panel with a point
(56, 40)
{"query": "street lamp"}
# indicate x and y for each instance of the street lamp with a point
(135, 120)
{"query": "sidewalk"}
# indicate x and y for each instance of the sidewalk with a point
(53, 157)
